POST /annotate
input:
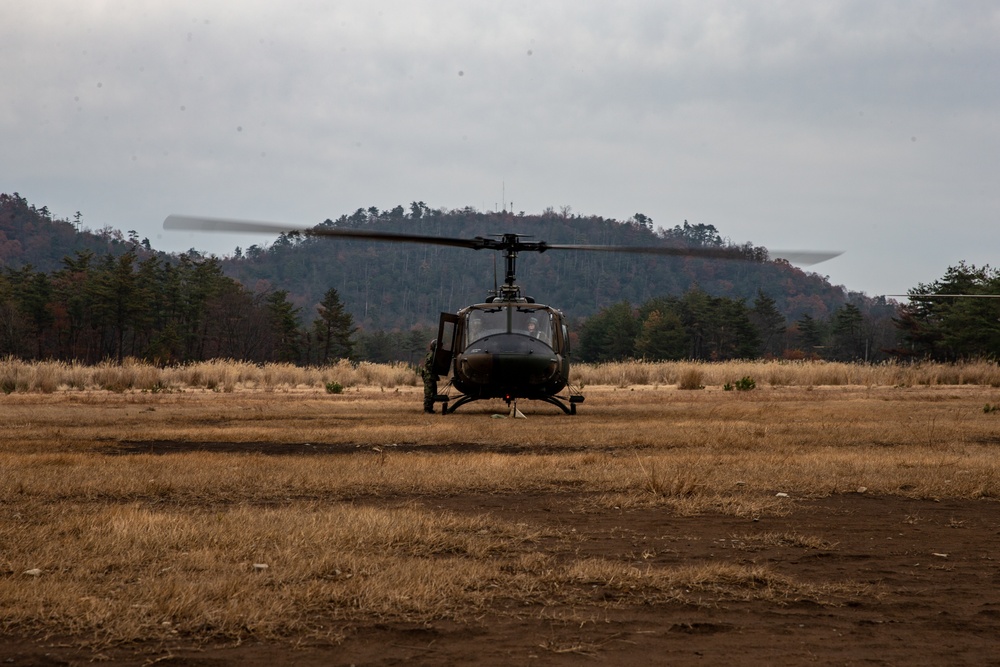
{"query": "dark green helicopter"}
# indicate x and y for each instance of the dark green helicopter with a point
(508, 347)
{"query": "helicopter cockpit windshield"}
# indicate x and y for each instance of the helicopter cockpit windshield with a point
(535, 322)
(482, 323)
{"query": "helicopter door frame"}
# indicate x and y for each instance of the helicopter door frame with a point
(447, 335)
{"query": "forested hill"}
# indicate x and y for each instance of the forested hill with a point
(398, 286)
(394, 285)
(29, 236)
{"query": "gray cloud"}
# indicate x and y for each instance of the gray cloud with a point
(869, 127)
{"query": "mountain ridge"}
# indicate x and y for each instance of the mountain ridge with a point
(399, 286)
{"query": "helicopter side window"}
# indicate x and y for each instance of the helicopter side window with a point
(473, 328)
(544, 326)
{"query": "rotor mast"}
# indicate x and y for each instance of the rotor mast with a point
(510, 244)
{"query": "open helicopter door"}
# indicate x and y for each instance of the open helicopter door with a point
(447, 330)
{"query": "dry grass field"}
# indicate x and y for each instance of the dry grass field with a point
(229, 514)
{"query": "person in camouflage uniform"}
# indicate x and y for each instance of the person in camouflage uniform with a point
(430, 378)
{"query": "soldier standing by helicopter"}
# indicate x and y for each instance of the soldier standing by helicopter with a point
(430, 378)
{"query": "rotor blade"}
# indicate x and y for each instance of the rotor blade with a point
(946, 296)
(203, 224)
(805, 257)
(207, 224)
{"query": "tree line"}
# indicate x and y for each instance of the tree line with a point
(955, 317)
(172, 310)
(139, 305)
(699, 326)
(68, 293)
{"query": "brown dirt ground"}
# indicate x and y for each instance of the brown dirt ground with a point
(931, 565)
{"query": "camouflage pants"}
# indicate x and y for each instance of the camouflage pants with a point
(430, 392)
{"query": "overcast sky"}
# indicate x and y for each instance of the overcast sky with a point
(871, 127)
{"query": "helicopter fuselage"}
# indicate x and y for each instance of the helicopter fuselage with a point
(507, 350)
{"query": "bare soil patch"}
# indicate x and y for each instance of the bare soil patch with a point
(788, 526)
(162, 447)
(930, 570)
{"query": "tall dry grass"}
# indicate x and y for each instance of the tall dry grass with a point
(666, 443)
(228, 375)
(778, 373)
(216, 375)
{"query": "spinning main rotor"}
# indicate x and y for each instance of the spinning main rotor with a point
(509, 244)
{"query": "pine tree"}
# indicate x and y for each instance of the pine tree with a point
(33, 295)
(283, 318)
(810, 334)
(610, 335)
(951, 328)
(769, 323)
(333, 329)
(14, 328)
(849, 334)
(662, 337)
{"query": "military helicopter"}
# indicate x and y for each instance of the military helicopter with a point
(509, 347)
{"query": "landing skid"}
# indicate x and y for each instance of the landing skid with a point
(459, 403)
(566, 404)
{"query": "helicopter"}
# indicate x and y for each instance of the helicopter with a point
(508, 347)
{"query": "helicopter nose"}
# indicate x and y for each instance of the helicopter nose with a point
(509, 358)
(508, 367)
